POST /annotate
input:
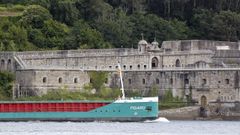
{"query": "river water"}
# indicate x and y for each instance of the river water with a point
(115, 128)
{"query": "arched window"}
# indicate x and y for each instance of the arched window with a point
(227, 81)
(106, 80)
(129, 81)
(44, 80)
(154, 62)
(91, 80)
(178, 64)
(130, 67)
(171, 81)
(124, 67)
(143, 81)
(186, 81)
(157, 81)
(138, 66)
(2, 66)
(145, 66)
(203, 101)
(204, 81)
(60, 80)
(9, 67)
(75, 80)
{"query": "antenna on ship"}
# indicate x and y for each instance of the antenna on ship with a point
(121, 80)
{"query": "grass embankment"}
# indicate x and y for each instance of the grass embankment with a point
(11, 10)
(85, 94)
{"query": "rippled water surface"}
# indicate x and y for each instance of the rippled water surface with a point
(115, 128)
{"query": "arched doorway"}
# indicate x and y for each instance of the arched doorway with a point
(154, 62)
(2, 65)
(178, 64)
(203, 101)
(9, 66)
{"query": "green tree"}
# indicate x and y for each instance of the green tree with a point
(54, 33)
(64, 11)
(202, 24)
(6, 82)
(91, 10)
(98, 79)
(34, 16)
(83, 36)
(153, 92)
(153, 26)
(216, 26)
(226, 26)
(117, 29)
(13, 37)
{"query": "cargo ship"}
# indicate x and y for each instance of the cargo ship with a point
(122, 109)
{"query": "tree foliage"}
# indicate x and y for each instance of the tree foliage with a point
(6, 81)
(74, 24)
(97, 79)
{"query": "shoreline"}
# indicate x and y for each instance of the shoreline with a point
(193, 113)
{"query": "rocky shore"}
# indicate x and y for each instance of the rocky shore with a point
(211, 112)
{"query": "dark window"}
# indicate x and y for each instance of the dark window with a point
(9, 61)
(145, 66)
(130, 66)
(129, 81)
(227, 81)
(44, 79)
(75, 80)
(178, 64)
(2, 63)
(110, 67)
(138, 66)
(60, 80)
(171, 81)
(9, 64)
(124, 66)
(106, 80)
(143, 81)
(157, 81)
(204, 81)
(91, 80)
(186, 81)
(154, 62)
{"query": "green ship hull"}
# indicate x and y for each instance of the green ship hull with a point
(139, 109)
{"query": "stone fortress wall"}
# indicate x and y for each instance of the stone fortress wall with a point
(207, 69)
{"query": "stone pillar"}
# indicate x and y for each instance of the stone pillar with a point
(238, 45)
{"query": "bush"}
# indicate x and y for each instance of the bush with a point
(168, 101)
(17, 8)
(6, 82)
(133, 93)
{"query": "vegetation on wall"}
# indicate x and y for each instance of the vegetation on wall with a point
(6, 84)
(168, 101)
(74, 24)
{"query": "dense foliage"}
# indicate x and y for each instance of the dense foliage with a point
(168, 101)
(74, 24)
(6, 82)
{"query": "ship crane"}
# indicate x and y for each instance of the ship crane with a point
(121, 80)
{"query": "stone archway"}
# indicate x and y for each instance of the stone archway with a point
(9, 65)
(203, 101)
(2, 64)
(154, 62)
(178, 64)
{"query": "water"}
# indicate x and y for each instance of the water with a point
(115, 128)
